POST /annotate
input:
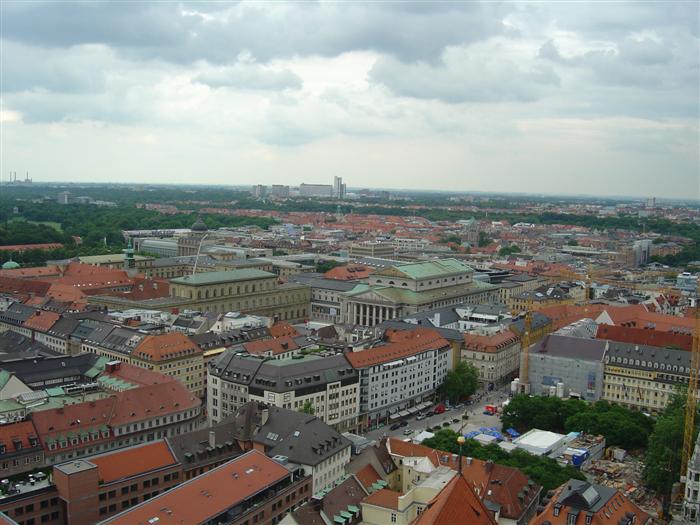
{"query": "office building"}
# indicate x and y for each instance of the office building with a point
(329, 385)
(567, 367)
(280, 191)
(249, 489)
(401, 376)
(495, 355)
(315, 190)
(338, 188)
(326, 296)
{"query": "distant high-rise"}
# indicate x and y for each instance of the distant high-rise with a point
(259, 191)
(279, 190)
(338, 188)
(315, 190)
(63, 197)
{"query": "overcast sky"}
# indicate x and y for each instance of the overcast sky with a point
(558, 97)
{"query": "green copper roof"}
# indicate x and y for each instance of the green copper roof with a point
(428, 269)
(4, 378)
(200, 279)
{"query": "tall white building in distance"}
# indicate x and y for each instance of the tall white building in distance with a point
(338, 188)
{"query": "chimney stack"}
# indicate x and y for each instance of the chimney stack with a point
(212, 439)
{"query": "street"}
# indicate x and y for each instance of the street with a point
(477, 418)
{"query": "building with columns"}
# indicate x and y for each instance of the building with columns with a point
(405, 289)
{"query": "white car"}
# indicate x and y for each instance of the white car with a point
(420, 417)
(407, 431)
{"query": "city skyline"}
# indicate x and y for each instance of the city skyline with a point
(517, 97)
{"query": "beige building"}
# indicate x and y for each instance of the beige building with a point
(495, 356)
(405, 289)
(172, 354)
(643, 377)
(173, 267)
(248, 290)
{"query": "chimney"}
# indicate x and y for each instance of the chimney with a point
(212, 439)
(488, 466)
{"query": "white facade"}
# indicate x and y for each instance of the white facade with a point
(399, 384)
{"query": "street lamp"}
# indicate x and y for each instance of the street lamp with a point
(461, 440)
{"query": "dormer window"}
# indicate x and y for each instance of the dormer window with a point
(557, 509)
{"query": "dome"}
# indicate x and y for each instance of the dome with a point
(199, 226)
(10, 265)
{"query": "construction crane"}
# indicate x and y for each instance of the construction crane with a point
(691, 401)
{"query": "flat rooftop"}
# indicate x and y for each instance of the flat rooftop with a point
(205, 278)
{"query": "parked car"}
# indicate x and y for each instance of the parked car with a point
(461, 405)
(439, 409)
(455, 420)
(420, 417)
(403, 423)
(395, 426)
(407, 431)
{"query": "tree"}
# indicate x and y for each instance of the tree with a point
(508, 250)
(483, 240)
(324, 266)
(663, 454)
(461, 382)
(620, 426)
(308, 408)
(572, 242)
(543, 470)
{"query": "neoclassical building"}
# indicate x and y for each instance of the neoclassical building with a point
(246, 290)
(405, 289)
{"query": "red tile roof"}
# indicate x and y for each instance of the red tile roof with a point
(368, 475)
(204, 497)
(41, 321)
(456, 503)
(21, 431)
(480, 474)
(644, 336)
(276, 346)
(25, 247)
(162, 347)
(282, 328)
(609, 514)
(490, 343)
(133, 461)
(130, 406)
(349, 272)
(415, 342)
(389, 499)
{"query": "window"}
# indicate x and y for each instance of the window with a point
(393, 517)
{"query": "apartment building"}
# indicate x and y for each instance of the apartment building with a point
(495, 355)
(329, 385)
(172, 354)
(400, 377)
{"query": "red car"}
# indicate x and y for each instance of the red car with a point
(439, 409)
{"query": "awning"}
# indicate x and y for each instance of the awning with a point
(412, 410)
(394, 417)
(423, 405)
(403, 413)
(353, 508)
(345, 514)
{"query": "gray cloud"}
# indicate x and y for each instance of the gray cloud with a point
(471, 78)
(170, 31)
